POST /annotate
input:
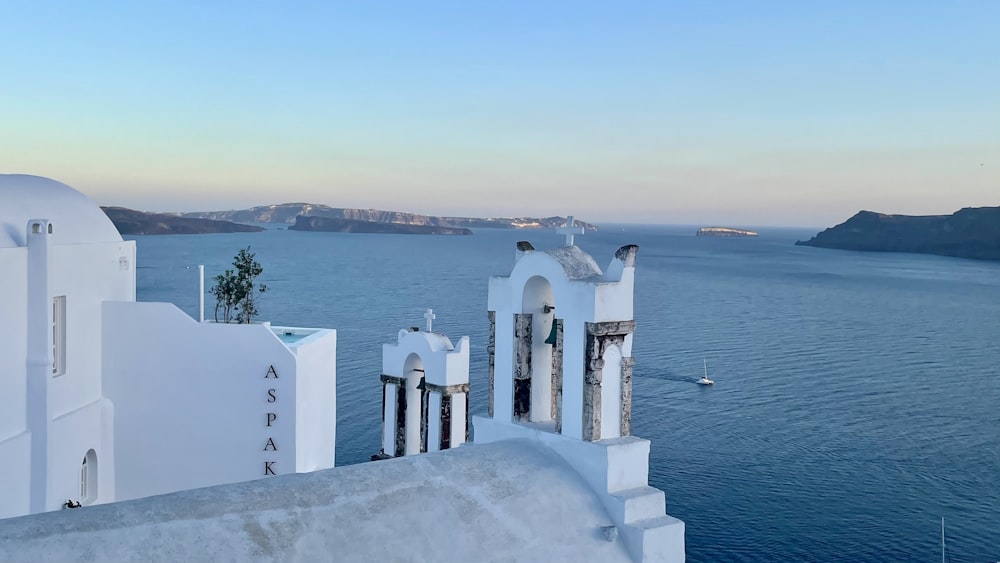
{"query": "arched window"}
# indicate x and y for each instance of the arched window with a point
(83, 479)
(538, 385)
(88, 478)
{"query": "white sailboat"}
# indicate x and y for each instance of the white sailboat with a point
(704, 378)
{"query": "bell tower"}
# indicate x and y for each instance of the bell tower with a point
(560, 349)
(560, 373)
(425, 388)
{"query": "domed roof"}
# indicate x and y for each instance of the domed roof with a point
(74, 218)
(577, 264)
(436, 342)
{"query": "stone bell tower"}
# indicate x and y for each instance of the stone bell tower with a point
(425, 387)
(560, 373)
(561, 341)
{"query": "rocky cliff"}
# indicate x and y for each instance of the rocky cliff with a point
(972, 232)
(515, 222)
(131, 222)
(287, 213)
(338, 225)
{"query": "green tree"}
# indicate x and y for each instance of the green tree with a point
(236, 291)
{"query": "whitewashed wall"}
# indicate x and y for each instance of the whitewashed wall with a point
(316, 401)
(71, 435)
(87, 275)
(16, 475)
(192, 399)
(69, 406)
(80, 418)
(15, 444)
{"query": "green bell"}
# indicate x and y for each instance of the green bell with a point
(552, 335)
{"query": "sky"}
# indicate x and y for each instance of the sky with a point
(783, 113)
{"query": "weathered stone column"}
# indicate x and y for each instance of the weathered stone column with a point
(557, 375)
(491, 350)
(445, 418)
(599, 337)
(389, 391)
(627, 363)
(466, 418)
(385, 419)
(393, 415)
(424, 399)
(453, 429)
(522, 367)
(423, 417)
(594, 366)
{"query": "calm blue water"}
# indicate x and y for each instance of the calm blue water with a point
(857, 396)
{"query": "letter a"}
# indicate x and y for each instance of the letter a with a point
(270, 444)
(270, 373)
(267, 468)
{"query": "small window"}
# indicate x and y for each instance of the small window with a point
(83, 479)
(59, 335)
(88, 478)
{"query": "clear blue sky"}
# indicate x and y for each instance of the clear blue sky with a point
(735, 112)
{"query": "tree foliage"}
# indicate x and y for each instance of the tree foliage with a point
(236, 290)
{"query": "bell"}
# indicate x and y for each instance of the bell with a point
(552, 335)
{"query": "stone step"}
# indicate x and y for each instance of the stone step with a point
(658, 539)
(638, 504)
(656, 522)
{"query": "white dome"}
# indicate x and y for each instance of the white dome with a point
(74, 218)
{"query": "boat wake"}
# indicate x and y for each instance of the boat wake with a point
(681, 379)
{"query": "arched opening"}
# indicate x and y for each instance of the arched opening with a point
(538, 373)
(412, 399)
(611, 392)
(88, 478)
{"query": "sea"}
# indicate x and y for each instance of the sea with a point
(856, 399)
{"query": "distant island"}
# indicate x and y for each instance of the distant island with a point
(338, 225)
(310, 217)
(132, 222)
(973, 232)
(288, 213)
(724, 232)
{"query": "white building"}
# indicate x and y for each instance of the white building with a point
(103, 398)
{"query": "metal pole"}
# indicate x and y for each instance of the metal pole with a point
(201, 293)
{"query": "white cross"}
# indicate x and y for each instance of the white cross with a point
(569, 230)
(430, 316)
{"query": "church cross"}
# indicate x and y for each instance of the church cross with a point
(430, 316)
(569, 230)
